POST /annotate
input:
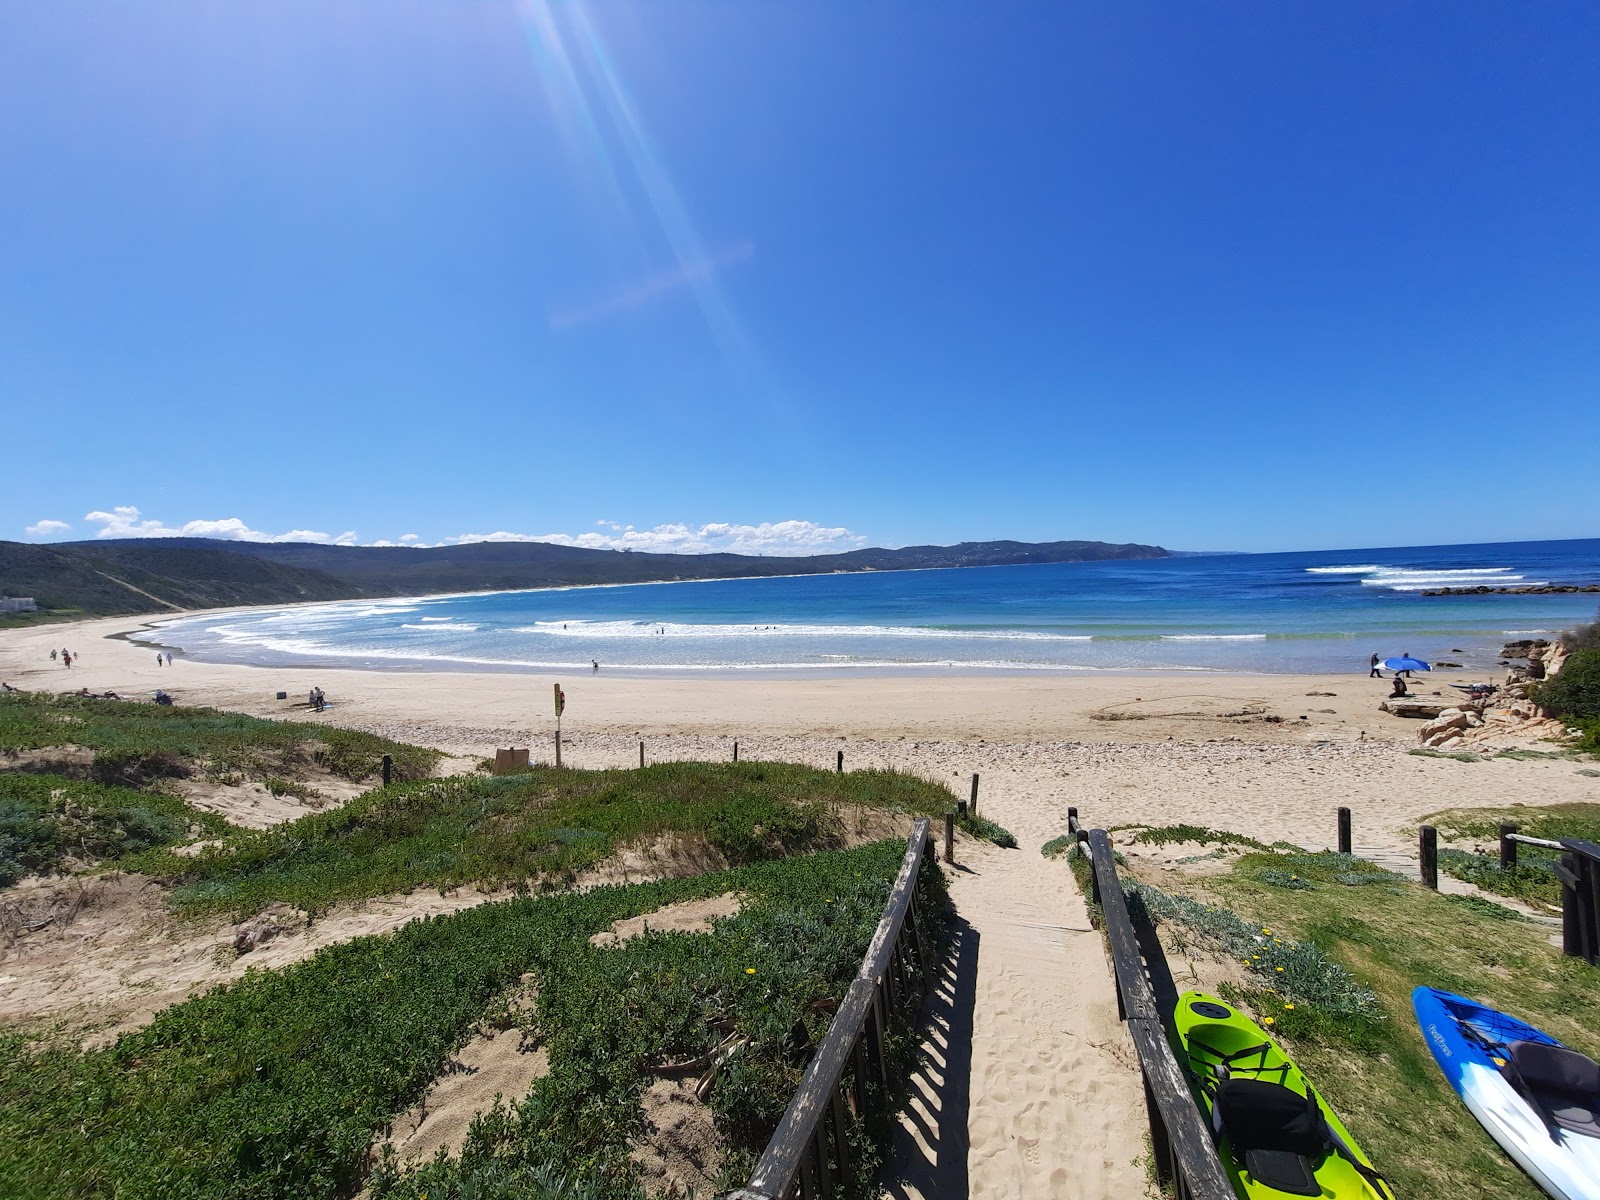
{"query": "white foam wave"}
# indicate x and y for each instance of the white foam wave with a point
(453, 627)
(1419, 579)
(435, 619)
(643, 629)
(1213, 637)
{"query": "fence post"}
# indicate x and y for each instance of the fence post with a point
(388, 768)
(1344, 831)
(1508, 846)
(949, 837)
(838, 765)
(641, 754)
(1428, 849)
(974, 793)
(736, 751)
(558, 747)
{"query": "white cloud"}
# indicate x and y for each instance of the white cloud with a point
(781, 538)
(126, 521)
(769, 537)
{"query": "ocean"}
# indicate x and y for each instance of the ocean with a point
(1311, 612)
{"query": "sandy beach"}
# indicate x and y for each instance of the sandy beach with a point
(1272, 756)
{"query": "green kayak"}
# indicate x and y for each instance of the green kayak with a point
(1275, 1135)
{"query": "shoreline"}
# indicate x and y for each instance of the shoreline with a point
(1089, 705)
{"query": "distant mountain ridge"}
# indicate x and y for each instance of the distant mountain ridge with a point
(138, 575)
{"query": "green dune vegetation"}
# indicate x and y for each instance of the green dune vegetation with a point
(1326, 948)
(290, 1082)
(1533, 878)
(538, 829)
(281, 1085)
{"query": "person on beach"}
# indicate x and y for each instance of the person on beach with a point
(1399, 687)
(596, 663)
(52, 656)
(66, 658)
(169, 658)
(1375, 673)
(1406, 654)
(158, 660)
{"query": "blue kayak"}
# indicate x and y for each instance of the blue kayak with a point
(1539, 1099)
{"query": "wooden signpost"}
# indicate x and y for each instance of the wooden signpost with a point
(561, 703)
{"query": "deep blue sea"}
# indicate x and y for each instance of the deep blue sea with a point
(1305, 612)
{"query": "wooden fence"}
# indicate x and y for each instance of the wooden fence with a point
(1185, 1156)
(808, 1155)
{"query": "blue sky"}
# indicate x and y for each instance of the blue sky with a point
(780, 275)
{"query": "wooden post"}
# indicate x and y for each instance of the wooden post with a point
(1429, 853)
(949, 837)
(838, 765)
(1508, 847)
(388, 768)
(558, 745)
(641, 754)
(961, 807)
(736, 751)
(1344, 831)
(974, 793)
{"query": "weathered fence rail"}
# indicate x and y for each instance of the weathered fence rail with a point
(1578, 873)
(1185, 1155)
(808, 1155)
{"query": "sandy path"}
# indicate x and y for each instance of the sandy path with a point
(1051, 1066)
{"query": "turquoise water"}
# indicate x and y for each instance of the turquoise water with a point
(1321, 611)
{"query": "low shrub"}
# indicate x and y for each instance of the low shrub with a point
(276, 1086)
(1297, 971)
(1573, 694)
(1164, 835)
(1533, 878)
(48, 823)
(982, 827)
(536, 828)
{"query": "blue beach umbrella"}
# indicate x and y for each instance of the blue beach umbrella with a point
(1406, 664)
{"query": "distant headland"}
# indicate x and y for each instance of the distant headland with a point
(115, 577)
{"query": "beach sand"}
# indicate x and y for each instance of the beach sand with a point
(1030, 1089)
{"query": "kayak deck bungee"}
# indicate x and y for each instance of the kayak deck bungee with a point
(1538, 1099)
(1275, 1134)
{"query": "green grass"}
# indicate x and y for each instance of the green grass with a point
(276, 1086)
(1533, 878)
(1167, 835)
(1057, 846)
(532, 829)
(1465, 756)
(982, 827)
(1374, 1069)
(48, 824)
(135, 742)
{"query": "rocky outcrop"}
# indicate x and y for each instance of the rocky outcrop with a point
(1510, 717)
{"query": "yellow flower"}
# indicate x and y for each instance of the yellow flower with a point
(1268, 1021)
(1288, 1007)
(1266, 930)
(1280, 970)
(752, 970)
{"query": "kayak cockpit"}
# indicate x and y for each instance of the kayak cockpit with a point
(1563, 1085)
